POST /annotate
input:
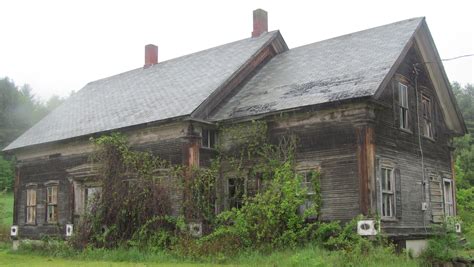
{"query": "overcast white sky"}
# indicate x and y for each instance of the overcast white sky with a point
(59, 46)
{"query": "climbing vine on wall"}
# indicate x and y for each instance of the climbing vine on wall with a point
(136, 197)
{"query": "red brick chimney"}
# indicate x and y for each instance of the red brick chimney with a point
(260, 22)
(151, 55)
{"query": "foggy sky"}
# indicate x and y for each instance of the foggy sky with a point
(59, 46)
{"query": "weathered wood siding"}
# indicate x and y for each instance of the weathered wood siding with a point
(50, 163)
(35, 174)
(327, 141)
(404, 149)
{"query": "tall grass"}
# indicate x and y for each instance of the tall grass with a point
(6, 215)
(6, 206)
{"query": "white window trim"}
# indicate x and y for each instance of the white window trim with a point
(445, 203)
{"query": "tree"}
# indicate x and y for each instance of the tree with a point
(465, 156)
(6, 175)
(19, 110)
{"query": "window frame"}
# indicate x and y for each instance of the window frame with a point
(389, 192)
(450, 208)
(31, 204)
(52, 203)
(209, 140)
(309, 186)
(427, 116)
(235, 201)
(403, 106)
(90, 193)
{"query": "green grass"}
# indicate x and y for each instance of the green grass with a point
(307, 256)
(7, 200)
(14, 259)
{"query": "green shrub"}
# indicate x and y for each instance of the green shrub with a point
(271, 217)
(445, 245)
(48, 246)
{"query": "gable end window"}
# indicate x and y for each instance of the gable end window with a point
(388, 193)
(427, 116)
(52, 202)
(403, 105)
(31, 206)
(209, 138)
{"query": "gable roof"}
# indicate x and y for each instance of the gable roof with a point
(166, 90)
(350, 66)
(345, 67)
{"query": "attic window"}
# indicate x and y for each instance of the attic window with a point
(209, 138)
(403, 104)
(427, 116)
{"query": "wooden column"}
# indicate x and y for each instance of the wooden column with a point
(366, 169)
(191, 148)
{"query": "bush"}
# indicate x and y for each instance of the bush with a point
(133, 207)
(445, 245)
(271, 217)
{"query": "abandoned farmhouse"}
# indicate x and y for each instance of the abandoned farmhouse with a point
(373, 112)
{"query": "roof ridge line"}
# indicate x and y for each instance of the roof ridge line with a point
(360, 31)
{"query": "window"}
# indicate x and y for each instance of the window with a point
(31, 206)
(52, 202)
(427, 115)
(403, 104)
(448, 198)
(307, 182)
(388, 193)
(209, 138)
(236, 192)
(92, 195)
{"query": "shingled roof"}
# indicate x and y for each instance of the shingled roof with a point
(170, 89)
(344, 67)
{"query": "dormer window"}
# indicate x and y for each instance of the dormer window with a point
(403, 105)
(427, 116)
(209, 138)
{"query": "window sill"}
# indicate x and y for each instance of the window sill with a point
(429, 138)
(406, 130)
(389, 219)
(209, 148)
